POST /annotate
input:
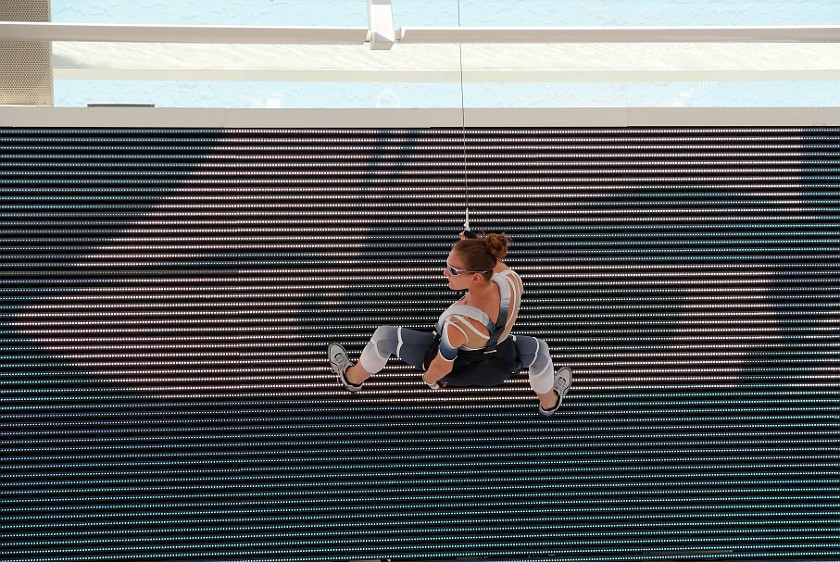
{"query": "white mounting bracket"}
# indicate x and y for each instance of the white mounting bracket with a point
(381, 32)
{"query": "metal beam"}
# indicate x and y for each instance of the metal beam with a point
(126, 33)
(38, 31)
(733, 34)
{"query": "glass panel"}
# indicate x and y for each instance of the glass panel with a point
(265, 94)
(654, 94)
(322, 13)
(605, 13)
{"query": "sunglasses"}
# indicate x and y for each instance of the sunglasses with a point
(454, 271)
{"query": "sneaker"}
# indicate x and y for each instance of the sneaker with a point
(339, 362)
(562, 382)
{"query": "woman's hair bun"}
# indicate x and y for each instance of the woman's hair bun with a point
(497, 244)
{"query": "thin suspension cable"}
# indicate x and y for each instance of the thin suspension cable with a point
(463, 126)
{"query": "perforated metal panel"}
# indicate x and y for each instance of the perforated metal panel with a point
(26, 70)
(167, 297)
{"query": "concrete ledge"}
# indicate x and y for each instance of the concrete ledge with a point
(220, 118)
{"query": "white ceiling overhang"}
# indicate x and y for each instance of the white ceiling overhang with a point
(605, 62)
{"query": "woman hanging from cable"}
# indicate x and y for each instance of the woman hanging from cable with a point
(472, 344)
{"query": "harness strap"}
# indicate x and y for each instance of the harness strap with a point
(496, 328)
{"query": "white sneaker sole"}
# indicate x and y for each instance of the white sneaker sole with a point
(334, 351)
(564, 374)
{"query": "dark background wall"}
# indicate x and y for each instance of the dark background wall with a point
(166, 298)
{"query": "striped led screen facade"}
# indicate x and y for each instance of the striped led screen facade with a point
(168, 295)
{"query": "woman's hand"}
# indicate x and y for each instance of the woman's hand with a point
(431, 384)
(438, 369)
